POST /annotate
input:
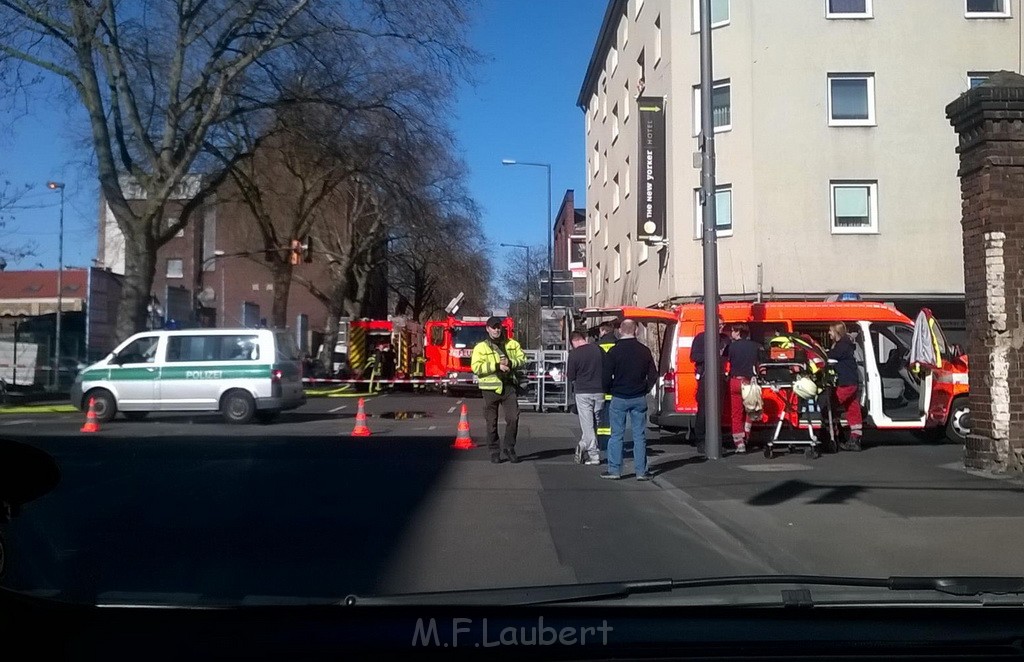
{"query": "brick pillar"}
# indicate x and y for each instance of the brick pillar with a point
(990, 123)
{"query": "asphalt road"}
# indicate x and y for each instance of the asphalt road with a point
(181, 508)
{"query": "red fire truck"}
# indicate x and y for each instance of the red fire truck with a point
(449, 348)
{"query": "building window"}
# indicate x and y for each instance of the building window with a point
(606, 233)
(597, 217)
(617, 264)
(615, 123)
(851, 99)
(629, 252)
(577, 252)
(847, 8)
(723, 212)
(976, 78)
(175, 267)
(645, 252)
(604, 100)
(615, 192)
(588, 123)
(597, 278)
(170, 223)
(721, 107)
(597, 160)
(641, 69)
(625, 103)
(593, 105)
(987, 9)
(629, 178)
(657, 40)
(854, 207)
(605, 157)
(613, 60)
(719, 14)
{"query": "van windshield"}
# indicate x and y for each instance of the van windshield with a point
(468, 336)
(287, 349)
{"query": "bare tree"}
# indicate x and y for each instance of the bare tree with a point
(11, 248)
(165, 83)
(521, 278)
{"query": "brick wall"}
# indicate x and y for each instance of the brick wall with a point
(990, 124)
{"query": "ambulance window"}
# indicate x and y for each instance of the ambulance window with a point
(437, 336)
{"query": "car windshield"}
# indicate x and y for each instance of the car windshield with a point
(248, 247)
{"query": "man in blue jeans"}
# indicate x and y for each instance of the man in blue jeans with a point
(629, 375)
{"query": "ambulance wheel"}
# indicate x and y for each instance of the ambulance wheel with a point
(104, 404)
(959, 424)
(237, 407)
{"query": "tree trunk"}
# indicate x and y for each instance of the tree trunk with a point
(140, 269)
(282, 286)
(326, 357)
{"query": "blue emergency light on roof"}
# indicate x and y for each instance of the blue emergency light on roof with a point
(849, 296)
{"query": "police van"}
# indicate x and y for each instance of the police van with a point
(242, 373)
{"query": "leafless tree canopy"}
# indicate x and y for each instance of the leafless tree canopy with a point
(172, 87)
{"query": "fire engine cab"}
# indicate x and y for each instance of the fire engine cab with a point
(449, 348)
(910, 378)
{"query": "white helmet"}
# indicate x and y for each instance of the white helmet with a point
(805, 388)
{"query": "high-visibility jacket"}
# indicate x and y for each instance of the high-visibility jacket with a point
(486, 359)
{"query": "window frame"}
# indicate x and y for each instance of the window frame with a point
(849, 16)
(1005, 13)
(698, 215)
(167, 268)
(695, 4)
(723, 82)
(872, 186)
(972, 75)
(871, 118)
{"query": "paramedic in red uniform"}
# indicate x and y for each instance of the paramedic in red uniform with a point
(843, 359)
(744, 357)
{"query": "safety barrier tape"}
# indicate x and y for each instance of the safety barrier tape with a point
(433, 380)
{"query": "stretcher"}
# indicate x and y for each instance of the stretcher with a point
(794, 412)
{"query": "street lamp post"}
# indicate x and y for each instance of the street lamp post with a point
(59, 186)
(220, 297)
(529, 270)
(547, 166)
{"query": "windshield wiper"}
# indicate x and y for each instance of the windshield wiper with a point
(571, 593)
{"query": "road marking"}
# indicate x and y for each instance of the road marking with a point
(17, 422)
(459, 402)
(774, 467)
(337, 409)
(432, 427)
(452, 410)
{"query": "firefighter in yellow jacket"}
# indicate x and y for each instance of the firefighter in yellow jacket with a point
(495, 362)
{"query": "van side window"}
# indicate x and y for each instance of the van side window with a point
(141, 350)
(436, 336)
(181, 349)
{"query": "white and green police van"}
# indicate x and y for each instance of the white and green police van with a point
(242, 373)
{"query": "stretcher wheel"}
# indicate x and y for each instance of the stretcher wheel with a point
(768, 452)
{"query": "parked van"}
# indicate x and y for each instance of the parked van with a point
(900, 390)
(243, 373)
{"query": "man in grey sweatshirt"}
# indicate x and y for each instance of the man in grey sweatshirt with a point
(584, 373)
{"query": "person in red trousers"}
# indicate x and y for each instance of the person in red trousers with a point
(744, 358)
(846, 399)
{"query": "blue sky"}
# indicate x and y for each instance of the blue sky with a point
(523, 107)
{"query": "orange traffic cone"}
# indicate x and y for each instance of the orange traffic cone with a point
(462, 439)
(92, 424)
(360, 429)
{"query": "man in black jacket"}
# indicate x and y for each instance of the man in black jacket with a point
(629, 375)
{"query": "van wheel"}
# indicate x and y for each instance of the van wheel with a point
(104, 404)
(237, 407)
(958, 426)
(135, 415)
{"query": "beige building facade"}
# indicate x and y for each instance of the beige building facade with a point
(837, 169)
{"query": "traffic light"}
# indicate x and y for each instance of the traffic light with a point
(296, 254)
